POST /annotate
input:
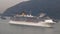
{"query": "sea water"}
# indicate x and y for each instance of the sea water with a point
(6, 28)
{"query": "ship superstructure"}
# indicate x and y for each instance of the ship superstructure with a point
(25, 19)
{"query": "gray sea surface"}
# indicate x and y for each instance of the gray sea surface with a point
(6, 28)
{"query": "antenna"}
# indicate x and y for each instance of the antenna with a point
(30, 12)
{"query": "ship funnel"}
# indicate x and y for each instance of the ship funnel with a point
(23, 13)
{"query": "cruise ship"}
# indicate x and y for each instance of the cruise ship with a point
(27, 19)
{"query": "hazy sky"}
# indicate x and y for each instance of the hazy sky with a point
(4, 4)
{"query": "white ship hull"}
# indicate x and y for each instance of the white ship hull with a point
(42, 24)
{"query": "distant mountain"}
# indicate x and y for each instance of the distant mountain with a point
(50, 7)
